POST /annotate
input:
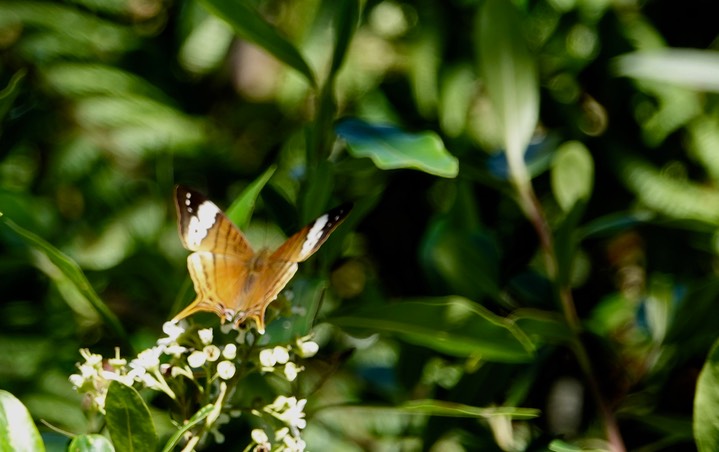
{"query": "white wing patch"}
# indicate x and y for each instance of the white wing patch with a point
(200, 221)
(314, 236)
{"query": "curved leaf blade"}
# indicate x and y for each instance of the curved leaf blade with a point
(451, 325)
(251, 26)
(390, 148)
(241, 209)
(17, 430)
(70, 270)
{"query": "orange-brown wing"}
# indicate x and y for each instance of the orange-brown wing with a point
(219, 281)
(219, 265)
(203, 226)
(281, 265)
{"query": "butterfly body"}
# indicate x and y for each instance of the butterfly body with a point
(231, 279)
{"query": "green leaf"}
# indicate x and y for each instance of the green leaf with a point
(241, 209)
(430, 407)
(572, 174)
(17, 430)
(128, 419)
(90, 443)
(451, 325)
(542, 326)
(690, 68)
(706, 404)
(198, 417)
(70, 270)
(510, 76)
(466, 260)
(250, 26)
(346, 19)
(10, 92)
(391, 148)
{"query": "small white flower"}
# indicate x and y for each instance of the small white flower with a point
(230, 351)
(226, 370)
(77, 380)
(205, 335)
(92, 359)
(212, 352)
(196, 359)
(173, 331)
(307, 349)
(259, 436)
(175, 350)
(281, 354)
(291, 371)
(267, 358)
(149, 359)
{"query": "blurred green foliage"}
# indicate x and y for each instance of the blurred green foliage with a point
(458, 286)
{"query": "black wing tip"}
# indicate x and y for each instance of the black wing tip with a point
(340, 212)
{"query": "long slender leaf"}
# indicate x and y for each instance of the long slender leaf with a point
(706, 404)
(448, 409)
(241, 209)
(452, 325)
(198, 417)
(250, 26)
(71, 270)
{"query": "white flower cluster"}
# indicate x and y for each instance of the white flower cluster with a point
(290, 412)
(203, 362)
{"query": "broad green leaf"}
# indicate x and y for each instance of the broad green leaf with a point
(17, 430)
(510, 76)
(572, 174)
(128, 419)
(690, 68)
(452, 325)
(241, 209)
(71, 271)
(391, 148)
(706, 404)
(198, 417)
(90, 443)
(307, 295)
(249, 25)
(543, 327)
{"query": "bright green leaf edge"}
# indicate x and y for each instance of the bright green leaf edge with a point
(706, 404)
(391, 148)
(194, 420)
(17, 430)
(90, 443)
(71, 270)
(241, 209)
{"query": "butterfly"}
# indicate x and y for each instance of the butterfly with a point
(230, 278)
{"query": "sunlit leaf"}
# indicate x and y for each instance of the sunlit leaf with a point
(250, 26)
(572, 174)
(128, 419)
(690, 68)
(706, 404)
(90, 443)
(510, 74)
(17, 430)
(241, 209)
(451, 325)
(70, 270)
(391, 148)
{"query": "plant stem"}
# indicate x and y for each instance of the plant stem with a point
(533, 210)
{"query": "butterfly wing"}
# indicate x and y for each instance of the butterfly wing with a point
(281, 265)
(219, 265)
